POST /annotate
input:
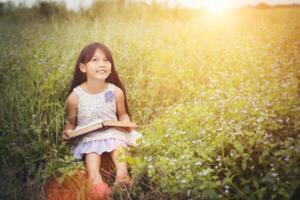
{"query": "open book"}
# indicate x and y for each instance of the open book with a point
(99, 124)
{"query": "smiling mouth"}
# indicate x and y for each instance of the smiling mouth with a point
(102, 71)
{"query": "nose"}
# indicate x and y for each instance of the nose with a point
(102, 64)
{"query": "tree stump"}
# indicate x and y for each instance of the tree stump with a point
(77, 186)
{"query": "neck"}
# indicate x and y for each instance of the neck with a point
(95, 86)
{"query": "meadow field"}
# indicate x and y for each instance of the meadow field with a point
(216, 98)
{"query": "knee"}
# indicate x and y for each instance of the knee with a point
(93, 175)
(119, 153)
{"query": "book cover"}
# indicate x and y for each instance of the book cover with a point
(98, 125)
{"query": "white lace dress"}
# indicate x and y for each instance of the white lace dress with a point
(93, 107)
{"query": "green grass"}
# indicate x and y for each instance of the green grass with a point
(202, 87)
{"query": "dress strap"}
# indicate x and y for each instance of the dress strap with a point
(78, 91)
(111, 86)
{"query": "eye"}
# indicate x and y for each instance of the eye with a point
(95, 60)
(106, 60)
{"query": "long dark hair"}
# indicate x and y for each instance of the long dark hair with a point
(85, 56)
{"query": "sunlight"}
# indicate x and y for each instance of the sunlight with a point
(215, 6)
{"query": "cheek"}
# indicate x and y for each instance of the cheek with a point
(109, 67)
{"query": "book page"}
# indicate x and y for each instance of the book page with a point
(90, 124)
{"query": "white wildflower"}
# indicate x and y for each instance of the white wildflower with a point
(274, 174)
(226, 187)
(189, 193)
(287, 158)
(203, 173)
(198, 163)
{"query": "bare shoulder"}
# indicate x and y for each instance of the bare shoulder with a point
(71, 107)
(72, 99)
(119, 92)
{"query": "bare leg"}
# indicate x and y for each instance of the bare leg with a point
(118, 157)
(93, 161)
(98, 189)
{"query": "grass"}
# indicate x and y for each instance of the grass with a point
(169, 60)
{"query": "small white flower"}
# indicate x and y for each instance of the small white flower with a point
(260, 119)
(198, 163)
(274, 174)
(189, 193)
(203, 173)
(226, 187)
(287, 158)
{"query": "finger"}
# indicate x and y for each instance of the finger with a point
(127, 129)
(65, 139)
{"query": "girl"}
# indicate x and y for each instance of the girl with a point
(96, 92)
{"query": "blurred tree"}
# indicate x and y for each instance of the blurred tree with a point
(262, 6)
(47, 9)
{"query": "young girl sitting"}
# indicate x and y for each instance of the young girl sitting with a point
(97, 93)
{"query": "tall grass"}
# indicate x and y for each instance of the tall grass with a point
(167, 60)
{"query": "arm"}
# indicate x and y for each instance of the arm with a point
(71, 105)
(121, 110)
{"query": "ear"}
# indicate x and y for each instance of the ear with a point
(82, 67)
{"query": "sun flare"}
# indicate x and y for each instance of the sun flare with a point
(215, 6)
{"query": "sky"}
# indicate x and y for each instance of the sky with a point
(75, 4)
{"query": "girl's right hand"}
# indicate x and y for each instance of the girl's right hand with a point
(65, 135)
(124, 129)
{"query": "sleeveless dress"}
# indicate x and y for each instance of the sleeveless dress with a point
(92, 107)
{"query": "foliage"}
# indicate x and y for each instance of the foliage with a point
(226, 145)
(217, 98)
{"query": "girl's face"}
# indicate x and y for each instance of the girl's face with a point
(99, 67)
